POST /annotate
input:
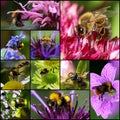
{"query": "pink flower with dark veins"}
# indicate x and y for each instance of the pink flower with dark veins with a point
(74, 46)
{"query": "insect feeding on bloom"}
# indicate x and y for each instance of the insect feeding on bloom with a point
(14, 80)
(95, 21)
(57, 101)
(78, 78)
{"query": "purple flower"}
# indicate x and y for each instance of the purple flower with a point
(45, 47)
(60, 112)
(103, 101)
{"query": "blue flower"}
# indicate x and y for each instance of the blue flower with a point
(11, 54)
(13, 42)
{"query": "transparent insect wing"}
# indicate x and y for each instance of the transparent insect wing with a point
(105, 11)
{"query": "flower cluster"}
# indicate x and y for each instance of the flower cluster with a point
(104, 101)
(13, 46)
(76, 47)
(46, 14)
(45, 47)
(59, 112)
(11, 104)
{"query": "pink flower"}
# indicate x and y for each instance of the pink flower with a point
(104, 102)
(90, 47)
(45, 14)
(66, 67)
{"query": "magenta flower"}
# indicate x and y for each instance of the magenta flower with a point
(90, 47)
(44, 14)
(103, 103)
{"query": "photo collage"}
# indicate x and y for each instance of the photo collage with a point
(59, 60)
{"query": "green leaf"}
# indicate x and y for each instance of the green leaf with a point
(83, 66)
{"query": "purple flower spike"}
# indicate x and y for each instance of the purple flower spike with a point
(108, 97)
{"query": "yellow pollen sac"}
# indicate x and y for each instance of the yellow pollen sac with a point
(12, 84)
(67, 98)
(46, 38)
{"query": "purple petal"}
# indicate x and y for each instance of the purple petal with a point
(95, 80)
(96, 103)
(53, 35)
(105, 109)
(40, 35)
(39, 98)
(109, 72)
(115, 98)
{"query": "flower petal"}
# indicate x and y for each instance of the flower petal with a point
(115, 98)
(95, 80)
(109, 72)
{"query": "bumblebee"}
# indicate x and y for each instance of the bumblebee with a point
(44, 71)
(102, 89)
(57, 100)
(95, 21)
(16, 18)
(75, 77)
(14, 72)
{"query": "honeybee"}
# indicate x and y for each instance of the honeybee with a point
(14, 72)
(102, 89)
(77, 78)
(95, 21)
(57, 100)
(16, 18)
(47, 41)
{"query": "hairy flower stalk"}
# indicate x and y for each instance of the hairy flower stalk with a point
(104, 100)
(60, 112)
(46, 14)
(45, 47)
(74, 46)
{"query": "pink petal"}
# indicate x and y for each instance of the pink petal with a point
(96, 103)
(115, 98)
(109, 72)
(37, 20)
(46, 19)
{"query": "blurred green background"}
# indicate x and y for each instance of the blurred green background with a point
(46, 33)
(96, 5)
(82, 95)
(6, 36)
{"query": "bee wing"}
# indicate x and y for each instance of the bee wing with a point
(105, 11)
(102, 10)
